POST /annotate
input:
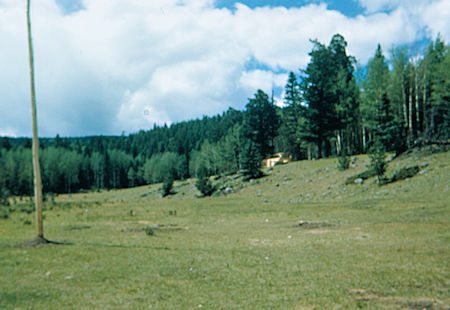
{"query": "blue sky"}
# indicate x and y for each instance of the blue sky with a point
(346, 7)
(103, 67)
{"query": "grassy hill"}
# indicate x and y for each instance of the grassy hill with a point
(297, 239)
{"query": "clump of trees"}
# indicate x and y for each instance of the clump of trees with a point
(332, 108)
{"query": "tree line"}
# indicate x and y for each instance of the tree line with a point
(333, 107)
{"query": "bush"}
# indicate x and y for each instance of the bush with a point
(404, 173)
(167, 186)
(205, 186)
(4, 214)
(363, 175)
(377, 161)
(149, 231)
(343, 162)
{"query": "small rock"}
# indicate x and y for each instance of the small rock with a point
(228, 190)
(425, 171)
(359, 181)
(308, 180)
(424, 165)
(258, 194)
(301, 223)
(265, 200)
(354, 159)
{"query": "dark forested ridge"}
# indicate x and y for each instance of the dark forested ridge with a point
(331, 108)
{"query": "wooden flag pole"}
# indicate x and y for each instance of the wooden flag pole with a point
(36, 166)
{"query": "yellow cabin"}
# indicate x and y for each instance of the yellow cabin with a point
(278, 157)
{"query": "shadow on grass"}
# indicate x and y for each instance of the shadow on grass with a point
(41, 242)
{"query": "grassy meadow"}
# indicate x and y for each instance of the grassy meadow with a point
(298, 238)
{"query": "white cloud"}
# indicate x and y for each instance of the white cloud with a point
(127, 64)
(262, 79)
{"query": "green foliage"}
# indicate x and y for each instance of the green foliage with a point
(250, 161)
(363, 175)
(404, 173)
(260, 124)
(205, 186)
(4, 214)
(166, 188)
(330, 91)
(290, 118)
(343, 162)
(440, 87)
(203, 183)
(149, 231)
(377, 161)
(161, 166)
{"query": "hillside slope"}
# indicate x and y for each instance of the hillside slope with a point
(314, 181)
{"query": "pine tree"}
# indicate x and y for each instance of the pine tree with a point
(330, 92)
(203, 183)
(290, 117)
(377, 160)
(439, 114)
(261, 123)
(250, 161)
(166, 188)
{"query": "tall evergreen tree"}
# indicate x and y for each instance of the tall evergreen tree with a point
(329, 90)
(437, 57)
(290, 117)
(261, 123)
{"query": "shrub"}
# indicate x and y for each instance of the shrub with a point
(378, 161)
(405, 173)
(343, 162)
(4, 214)
(149, 231)
(205, 186)
(167, 186)
(363, 175)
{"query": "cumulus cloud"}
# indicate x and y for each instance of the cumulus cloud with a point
(124, 65)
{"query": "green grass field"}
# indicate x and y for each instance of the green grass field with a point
(357, 246)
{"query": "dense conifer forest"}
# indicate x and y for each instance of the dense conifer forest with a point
(332, 108)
